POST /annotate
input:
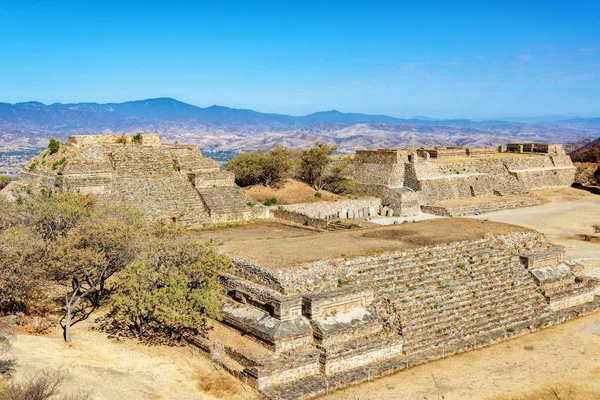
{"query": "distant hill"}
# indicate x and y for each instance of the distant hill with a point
(588, 153)
(221, 128)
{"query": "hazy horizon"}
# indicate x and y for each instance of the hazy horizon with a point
(506, 117)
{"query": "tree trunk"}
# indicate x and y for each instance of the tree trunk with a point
(67, 329)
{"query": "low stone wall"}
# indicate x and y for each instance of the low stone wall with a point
(403, 204)
(89, 140)
(334, 301)
(299, 219)
(475, 209)
(357, 208)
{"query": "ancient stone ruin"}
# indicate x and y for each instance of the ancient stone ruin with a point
(307, 313)
(351, 306)
(408, 180)
(163, 180)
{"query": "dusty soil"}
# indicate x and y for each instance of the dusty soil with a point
(565, 218)
(291, 192)
(478, 200)
(564, 359)
(126, 369)
(254, 231)
(291, 251)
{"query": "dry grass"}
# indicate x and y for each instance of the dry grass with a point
(291, 251)
(477, 200)
(253, 231)
(291, 192)
(563, 391)
(563, 195)
(560, 361)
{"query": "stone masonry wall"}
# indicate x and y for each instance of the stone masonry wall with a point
(359, 208)
(474, 209)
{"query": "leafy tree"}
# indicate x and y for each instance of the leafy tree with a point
(269, 169)
(53, 145)
(171, 290)
(22, 276)
(247, 168)
(278, 165)
(84, 259)
(336, 177)
(313, 164)
(4, 181)
(54, 214)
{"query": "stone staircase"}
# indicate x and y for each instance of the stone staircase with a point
(447, 302)
(147, 178)
(224, 200)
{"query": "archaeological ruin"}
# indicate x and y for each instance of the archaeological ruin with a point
(309, 309)
(163, 180)
(422, 179)
(308, 314)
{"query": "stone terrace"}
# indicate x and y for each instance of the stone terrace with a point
(366, 303)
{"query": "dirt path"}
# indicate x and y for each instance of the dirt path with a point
(563, 223)
(564, 358)
(126, 370)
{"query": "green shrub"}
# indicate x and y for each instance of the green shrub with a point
(318, 195)
(137, 138)
(4, 181)
(341, 282)
(32, 166)
(510, 330)
(250, 204)
(53, 145)
(270, 202)
(59, 163)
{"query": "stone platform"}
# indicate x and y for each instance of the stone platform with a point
(478, 205)
(398, 296)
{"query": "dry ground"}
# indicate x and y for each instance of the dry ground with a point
(478, 200)
(565, 217)
(564, 359)
(292, 251)
(291, 192)
(126, 370)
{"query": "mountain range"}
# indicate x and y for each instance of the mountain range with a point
(224, 128)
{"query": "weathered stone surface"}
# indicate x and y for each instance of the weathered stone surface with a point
(163, 181)
(480, 174)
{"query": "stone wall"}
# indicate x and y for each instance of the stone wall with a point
(545, 167)
(358, 208)
(403, 204)
(370, 315)
(162, 181)
(90, 140)
(479, 208)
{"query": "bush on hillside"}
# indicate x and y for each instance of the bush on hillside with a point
(53, 145)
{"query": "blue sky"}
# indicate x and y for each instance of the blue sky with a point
(445, 59)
